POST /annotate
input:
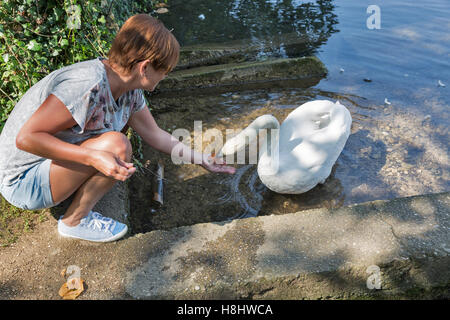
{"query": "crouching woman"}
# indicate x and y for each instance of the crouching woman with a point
(65, 135)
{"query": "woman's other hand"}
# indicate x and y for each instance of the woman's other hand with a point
(111, 165)
(213, 164)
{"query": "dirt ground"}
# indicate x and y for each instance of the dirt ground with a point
(31, 267)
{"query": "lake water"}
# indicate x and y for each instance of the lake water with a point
(398, 147)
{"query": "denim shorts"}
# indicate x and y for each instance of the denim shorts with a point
(32, 190)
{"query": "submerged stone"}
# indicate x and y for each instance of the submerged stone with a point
(196, 57)
(243, 73)
(288, 45)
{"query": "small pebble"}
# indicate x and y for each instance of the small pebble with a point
(162, 10)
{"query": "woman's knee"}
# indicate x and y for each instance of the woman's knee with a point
(115, 142)
(119, 145)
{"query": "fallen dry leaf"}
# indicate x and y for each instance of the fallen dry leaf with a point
(161, 5)
(63, 273)
(71, 289)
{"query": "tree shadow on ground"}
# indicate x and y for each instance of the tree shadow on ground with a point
(418, 268)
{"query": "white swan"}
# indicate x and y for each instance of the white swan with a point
(301, 154)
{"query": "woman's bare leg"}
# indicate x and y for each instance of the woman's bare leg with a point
(88, 184)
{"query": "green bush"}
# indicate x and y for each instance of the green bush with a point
(40, 36)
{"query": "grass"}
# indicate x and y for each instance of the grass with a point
(15, 222)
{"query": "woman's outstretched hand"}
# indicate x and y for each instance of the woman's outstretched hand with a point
(213, 164)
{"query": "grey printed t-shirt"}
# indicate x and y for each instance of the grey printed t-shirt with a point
(84, 89)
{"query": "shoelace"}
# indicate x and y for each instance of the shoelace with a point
(100, 222)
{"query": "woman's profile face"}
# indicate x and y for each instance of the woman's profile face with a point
(150, 77)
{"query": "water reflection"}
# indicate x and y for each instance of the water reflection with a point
(292, 27)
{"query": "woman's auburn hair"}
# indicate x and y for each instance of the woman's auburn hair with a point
(143, 37)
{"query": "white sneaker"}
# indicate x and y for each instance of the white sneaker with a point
(94, 227)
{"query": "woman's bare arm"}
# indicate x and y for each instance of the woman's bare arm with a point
(146, 127)
(37, 137)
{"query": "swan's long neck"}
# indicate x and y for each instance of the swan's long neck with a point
(249, 136)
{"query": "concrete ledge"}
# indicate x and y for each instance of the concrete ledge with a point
(311, 254)
(115, 204)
